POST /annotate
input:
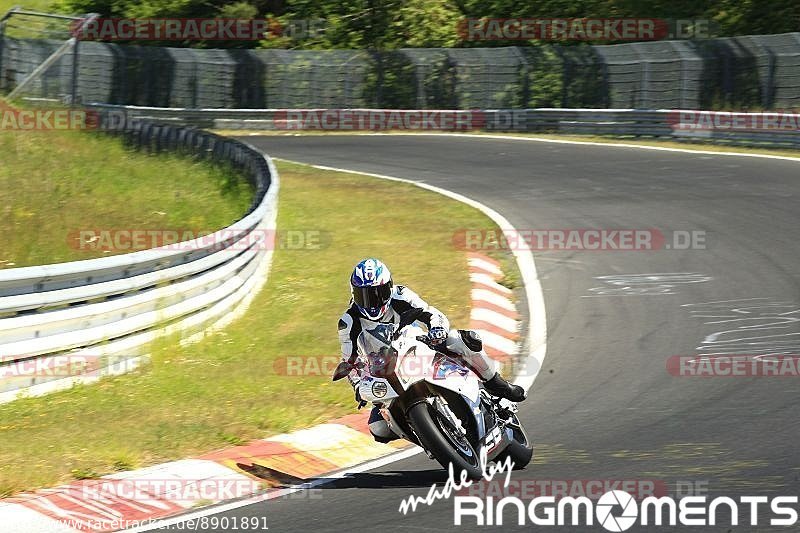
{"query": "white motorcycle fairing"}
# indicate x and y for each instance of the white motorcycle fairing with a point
(417, 362)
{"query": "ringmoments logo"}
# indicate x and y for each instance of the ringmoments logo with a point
(618, 510)
(607, 503)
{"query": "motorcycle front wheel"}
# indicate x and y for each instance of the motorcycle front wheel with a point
(446, 443)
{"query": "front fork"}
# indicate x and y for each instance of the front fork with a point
(499, 435)
(440, 405)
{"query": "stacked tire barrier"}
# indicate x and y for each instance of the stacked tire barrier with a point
(747, 72)
(75, 322)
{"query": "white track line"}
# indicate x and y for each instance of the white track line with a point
(536, 347)
(593, 143)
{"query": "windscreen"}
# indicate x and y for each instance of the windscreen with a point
(375, 346)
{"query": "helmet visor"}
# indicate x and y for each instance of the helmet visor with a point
(372, 297)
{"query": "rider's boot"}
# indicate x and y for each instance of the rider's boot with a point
(498, 386)
(379, 427)
(469, 345)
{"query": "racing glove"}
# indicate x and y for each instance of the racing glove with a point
(437, 335)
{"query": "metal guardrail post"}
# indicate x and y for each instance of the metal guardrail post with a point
(75, 57)
(7, 15)
(73, 89)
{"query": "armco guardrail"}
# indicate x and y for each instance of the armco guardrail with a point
(735, 128)
(74, 322)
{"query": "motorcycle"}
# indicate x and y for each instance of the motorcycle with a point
(430, 398)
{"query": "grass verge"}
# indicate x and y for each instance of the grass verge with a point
(58, 183)
(232, 387)
(47, 6)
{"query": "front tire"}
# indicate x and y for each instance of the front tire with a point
(443, 443)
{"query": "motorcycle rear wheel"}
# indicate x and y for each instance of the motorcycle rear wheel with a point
(520, 450)
(444, 442)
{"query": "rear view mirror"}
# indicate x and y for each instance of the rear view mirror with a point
(342, 370)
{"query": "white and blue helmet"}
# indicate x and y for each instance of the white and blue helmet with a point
(371, 285)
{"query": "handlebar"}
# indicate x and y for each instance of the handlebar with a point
(441, 348)
(424, 340)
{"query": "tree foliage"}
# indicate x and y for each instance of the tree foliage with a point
(391, 24)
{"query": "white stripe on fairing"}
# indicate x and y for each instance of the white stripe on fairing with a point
(484, 279)
(26, 520)
(493, 340)
(492, 298)
(485, 265)
(496, 319)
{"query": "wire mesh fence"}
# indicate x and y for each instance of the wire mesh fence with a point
(750, 72)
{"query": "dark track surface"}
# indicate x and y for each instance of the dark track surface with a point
(605, 406)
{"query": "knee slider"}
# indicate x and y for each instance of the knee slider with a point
(471, 339)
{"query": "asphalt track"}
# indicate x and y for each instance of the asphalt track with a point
(605, 407)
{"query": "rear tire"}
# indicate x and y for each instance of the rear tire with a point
(432, 432)
(520, 450)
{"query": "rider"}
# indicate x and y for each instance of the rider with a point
(375, 299)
